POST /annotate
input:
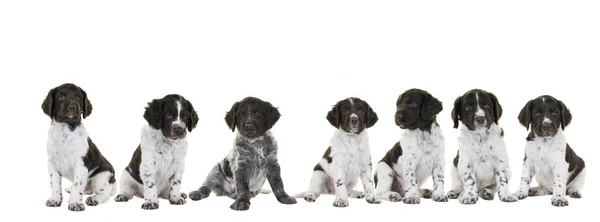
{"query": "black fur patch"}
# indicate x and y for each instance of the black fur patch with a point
(576, 163)
(94, 160)
(327, 155)
(226, 168)
(391, 157)
(318, 168)
(134, 165)
(455, 160)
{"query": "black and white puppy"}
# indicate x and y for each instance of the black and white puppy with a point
(548, 157)
(253, 159)
(418, 155)
(481, 165)
(71, 152)
(348, 158)
(157, 165)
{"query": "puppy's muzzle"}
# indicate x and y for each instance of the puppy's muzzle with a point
(480, 120)
(354, 121)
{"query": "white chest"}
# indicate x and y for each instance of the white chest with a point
(543, 155)
(66, 148)
(425, 148)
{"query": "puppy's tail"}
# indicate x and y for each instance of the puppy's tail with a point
(299, 195)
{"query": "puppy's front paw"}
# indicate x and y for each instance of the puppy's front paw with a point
(521, 194)
(339, 202)
(373, 200)
(560, 201)
(412, 200)
(395, 197)
(468, 199)
(439, 198)
(310, 197)
(200, 194)
(177, 201)
(509, 198)
(425, 193)
(573, 194)
(150, 205)
(90, 201)
(453, 194)
(287, 200)
(76, 207)
(240, 205)
(486, 194)
(121, 198)
(183, 195)
(54, 202)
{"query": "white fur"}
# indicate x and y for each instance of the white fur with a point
(65, 150)
(422, 156)
(483, 156)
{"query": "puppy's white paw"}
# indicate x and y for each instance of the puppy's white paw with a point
(509, 198)
(453, 194)
(438, 196)
(76, 206)
(413, 199)
(149, 205)
(177, 201)
(54, 202)
(339, 202)
(373, 200)
(310, 197)
(468, 198)
(559, 201)
(395, 197)
(522, 194)
(91, 201)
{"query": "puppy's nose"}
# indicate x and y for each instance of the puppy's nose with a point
(354, 121)
(546, 127)
(480, 119)
(71, 107)
(399, 115)
(248, 126)
(178, 129)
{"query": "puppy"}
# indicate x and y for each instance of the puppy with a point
(418, 155)
(71, 152)
(548, 157)
(481, 164)
(348, 157)
(157, 165)
(253, 159)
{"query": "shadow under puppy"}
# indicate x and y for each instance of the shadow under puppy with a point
(157, 165)
(418, 155)
(253, 159)
(548, 157)
(71, 152)
(481, 165)
(348, 158)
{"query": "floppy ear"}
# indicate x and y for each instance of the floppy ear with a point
(525, 115)
(565, 115)
(193, 120)
(48, 102)
(333, 117)
(456, 112)
(430, 107)
(231, 116)
(371, 117)
(272, 115)
(153, 113)
(87, 105)
(497, 108)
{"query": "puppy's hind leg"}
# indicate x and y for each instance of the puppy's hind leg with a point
(384, 179)
(574, 188)
(102, 185)
(129, 187)
(214, 180)
(457, 185)
(317, 186)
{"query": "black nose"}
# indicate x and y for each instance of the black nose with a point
(248, 126)
(354, 121)
(398, 115)
(480, 119)
(71, 107)
(178, 130)
(546, 126)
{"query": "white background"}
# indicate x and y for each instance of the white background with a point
(303, 56)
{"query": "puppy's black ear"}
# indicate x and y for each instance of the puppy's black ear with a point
(231, 116)
(87, 105)
(565, 115)
(153, 113)
(371, 117)
(193, 120)
(456, 112)
(497, 108)
(525, 115)
(333, 116)
(48, 102)
(430, 107)
(272, 115)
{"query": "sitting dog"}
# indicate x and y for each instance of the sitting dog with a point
(253, 159)
(157, 165)
(418, 155)
(71, 152)
(481, 164)
(348, 157)
(548, 157)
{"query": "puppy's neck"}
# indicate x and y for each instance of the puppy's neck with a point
(70, 126)
(433, 129)
(239, 136)
(428, 125)
(559, 137)
(159, 136)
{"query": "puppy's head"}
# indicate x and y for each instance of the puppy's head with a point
(476, 109)
(172, 114)
(352, 115)
(416, 108)
(545, 114)
(67, 103)
(252, 117)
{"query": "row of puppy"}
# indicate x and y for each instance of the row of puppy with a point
(480, 168)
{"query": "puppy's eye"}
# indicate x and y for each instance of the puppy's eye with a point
(537, 114)
(258, 113)
(61, 98)
(184, 117)
(77, 97)
(555, 113)
(468, 108)
(361, 111)
(345, 111)
(169, 116)
(487, 106)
